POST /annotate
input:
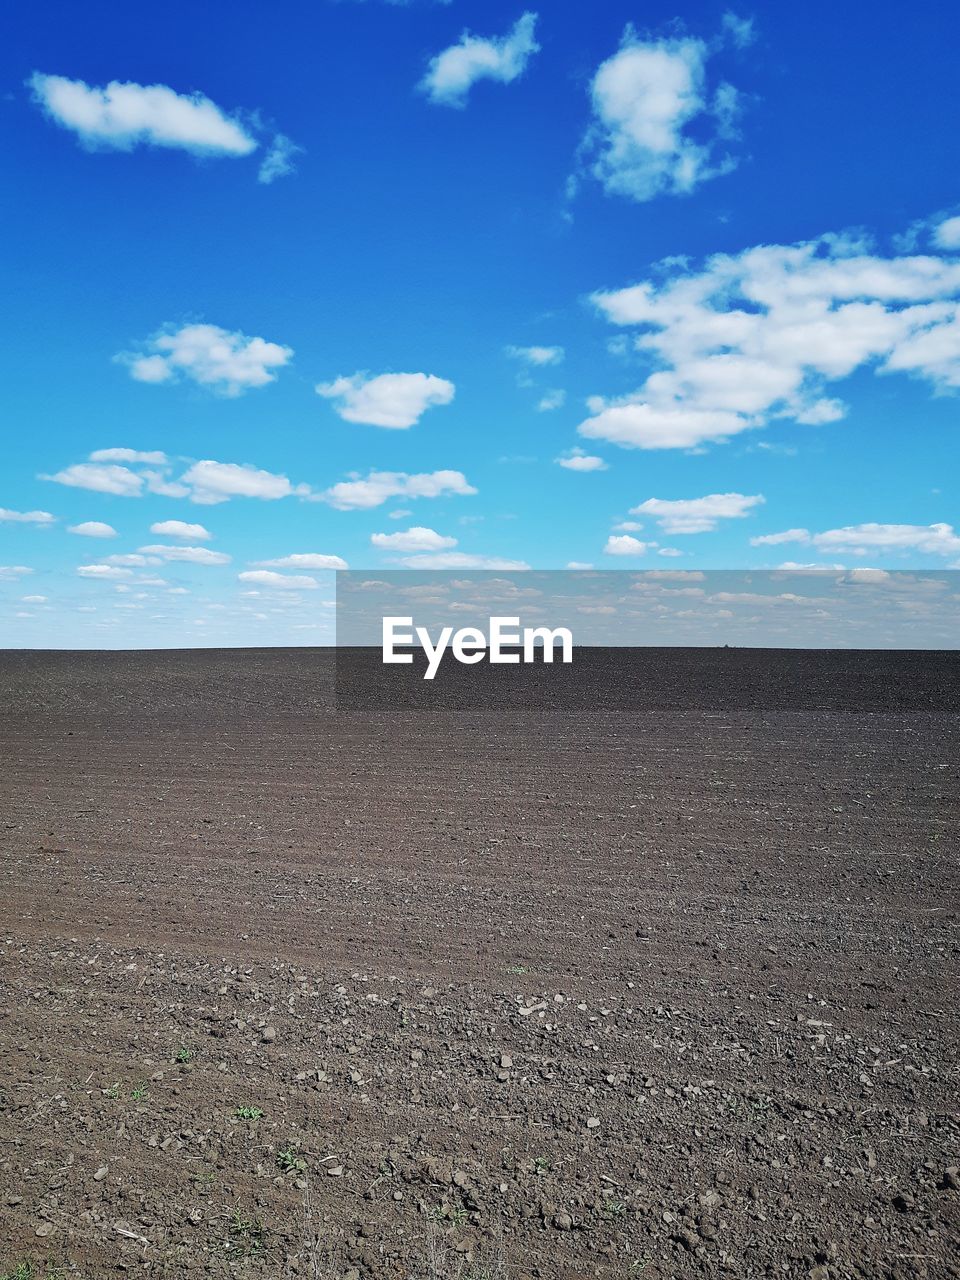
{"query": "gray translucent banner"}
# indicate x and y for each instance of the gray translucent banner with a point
(767, 609)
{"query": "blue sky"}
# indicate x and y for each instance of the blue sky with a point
(622, 286)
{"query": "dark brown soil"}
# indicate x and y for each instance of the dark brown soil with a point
(663, 988)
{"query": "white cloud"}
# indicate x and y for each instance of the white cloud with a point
(395, 400)
(129, 559)
(538, 356)
(211, 482)
(416, 538)
(578, 564)
(381, 486)
(190, 555)
(697, 515)
(928, 539)
(11, 572)
(627, 526)
(33, 599)
(100, 478)
(25, 517)
(229, 363)
(108, 572)
(793, 566)
(304, 560)
(205, 482)
(579, 460)
(159, 482)
(758, 335)
(122, 116)
(931, 539)
(645, 100)
(624, 544)
(181, 529)
(947, 234)
(93, 529)
(775, 539)
(285, 581)
(551, 400)
(154, 457)
(278, 162)
(740, 30)
(453, 72)
(460, 560)
(644, 426)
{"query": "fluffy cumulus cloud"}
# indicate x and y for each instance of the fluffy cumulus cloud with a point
(277, 581)
(104, 572)
(188, 555)
(129, 559)
(11, 572)
(624, 544)
(152, 456)
(537, 356)
(25, 517)
(380, 486)
(775, 539)
(416, 538)
(228, 363)
(206, 482)
(697, 515)
(580, 460)
(122, 116)
(304, 560)
(100, 478)
(181, 529)
(93, 529)
(947, 234)
(860, 539)
(762, 334)
(395, 400)
(452, 73)
(658, 126)
(210, 482)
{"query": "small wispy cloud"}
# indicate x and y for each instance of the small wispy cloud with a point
(579, 460)
(537, 356)
(551, 400)
(454, 71)
(25, 517)
(278, 161)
